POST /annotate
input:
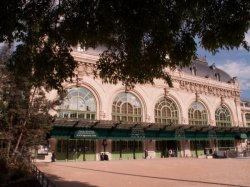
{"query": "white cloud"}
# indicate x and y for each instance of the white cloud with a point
(239, 69)
(245, 84)
(247, 37)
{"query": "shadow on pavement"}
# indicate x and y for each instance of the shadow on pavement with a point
(62, 183)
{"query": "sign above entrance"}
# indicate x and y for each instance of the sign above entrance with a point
(241, 136)
(85, 134)
(180, 134)
(137, 132)
(212, 135)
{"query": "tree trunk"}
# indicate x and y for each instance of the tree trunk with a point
(8, 151)
(25, 123)
(20, 137)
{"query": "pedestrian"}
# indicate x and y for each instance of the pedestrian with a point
(53, 157)
(146, 153)
(102, 157)
(173, 154)
(170, 152)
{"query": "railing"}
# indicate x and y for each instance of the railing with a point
(232, 154)
(41, 178)
(247, 153)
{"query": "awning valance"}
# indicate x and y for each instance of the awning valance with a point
(100, 129)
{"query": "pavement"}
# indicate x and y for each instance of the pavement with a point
(164, 172)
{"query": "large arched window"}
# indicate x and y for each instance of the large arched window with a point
(222, 117)
(166, 112)
(197, 114)
(126, 107)
(247, 119)
(79, 103)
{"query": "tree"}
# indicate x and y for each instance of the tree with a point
(137, 35)
(24, 116)
(4, 85)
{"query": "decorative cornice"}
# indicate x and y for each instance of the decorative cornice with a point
(85, 57)
(206, 89)
(86, 69)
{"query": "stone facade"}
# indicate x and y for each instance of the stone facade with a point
(188, 88)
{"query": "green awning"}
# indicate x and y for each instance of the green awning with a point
(60, 133)
(103, 130)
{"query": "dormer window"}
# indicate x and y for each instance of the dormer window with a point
(193, 70)
(217, 76)
(213, 67)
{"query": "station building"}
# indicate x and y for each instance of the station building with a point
(201, 114)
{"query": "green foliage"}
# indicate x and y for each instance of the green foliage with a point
(3, 165)
(24, 113)
(3, 170)
(136, 35)
(11, 173)
(17, 174)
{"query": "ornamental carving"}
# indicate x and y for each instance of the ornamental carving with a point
(207, 89)
(86, 68)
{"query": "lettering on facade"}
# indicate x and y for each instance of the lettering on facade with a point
(179, 134)
(137, 132)
(85, 134)
(212, 135)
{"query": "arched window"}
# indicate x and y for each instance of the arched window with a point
(126, 107)
(222, 117)
(197, 114)
(79, 103)
(166, 112)
(248, 119)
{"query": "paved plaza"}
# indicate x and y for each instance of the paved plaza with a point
(173, 172)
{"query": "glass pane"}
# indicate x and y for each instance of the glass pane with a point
(79, 99)
(73, 115)
(81, 116)
(222, 116)
(166, 111)
(197, 114)
(126, 105)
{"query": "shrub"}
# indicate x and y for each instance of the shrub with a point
(3, 165)
(3, 170)
(22, 170)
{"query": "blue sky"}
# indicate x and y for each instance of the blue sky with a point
(235, 63)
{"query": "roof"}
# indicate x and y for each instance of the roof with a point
(208, 71)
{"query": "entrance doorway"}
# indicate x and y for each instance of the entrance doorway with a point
(166, 148)
(78, 150)
(126, 150)
(198, 147)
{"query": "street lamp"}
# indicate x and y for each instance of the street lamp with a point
(104, 143)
